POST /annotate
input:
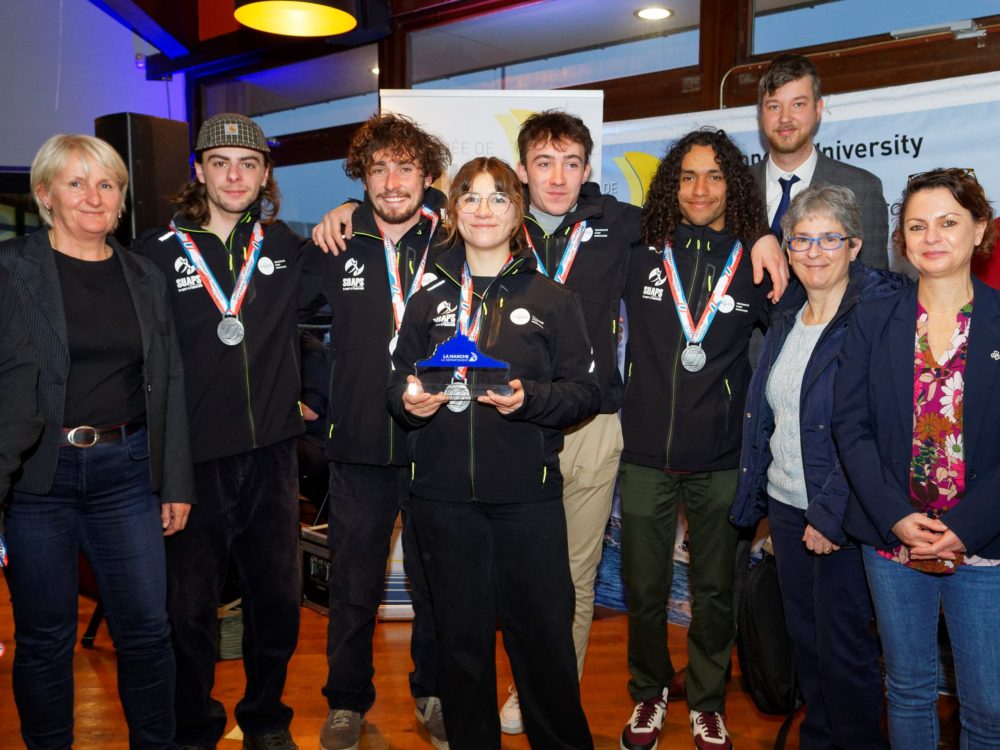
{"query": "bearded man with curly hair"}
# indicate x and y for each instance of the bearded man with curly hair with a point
(692, 306)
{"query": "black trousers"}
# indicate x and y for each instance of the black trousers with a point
(248, 511)
(364, 503)
(487, 560)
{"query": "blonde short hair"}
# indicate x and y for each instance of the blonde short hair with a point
(52, 157)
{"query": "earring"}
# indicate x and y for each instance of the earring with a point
(119, 213)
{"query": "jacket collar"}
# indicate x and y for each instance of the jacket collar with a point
(588, 206)
(452, 260)
(251, 215)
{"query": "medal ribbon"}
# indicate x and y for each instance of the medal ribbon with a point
(228, 306)
(392, 267)
(568, 256)
(696, 334)
(467, 325)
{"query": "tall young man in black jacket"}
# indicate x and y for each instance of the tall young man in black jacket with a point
(388, 258)
(692, 304)
(233, 271)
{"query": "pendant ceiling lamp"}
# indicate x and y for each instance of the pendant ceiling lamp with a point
(297, 17)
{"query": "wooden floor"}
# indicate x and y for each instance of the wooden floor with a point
(391, 723)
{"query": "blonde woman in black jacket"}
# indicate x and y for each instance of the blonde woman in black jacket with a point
(111, 473)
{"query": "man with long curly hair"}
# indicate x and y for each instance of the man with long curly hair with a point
(233, 273)
(389, 257)
(692, 305)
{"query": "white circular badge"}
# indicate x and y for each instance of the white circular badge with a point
(428, 279)
(727, 304)
(520, 316)
(587, 234)
(265, 265)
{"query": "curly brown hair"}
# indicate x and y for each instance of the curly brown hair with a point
(661, 213)
(964, 188)
(506, 181)
(192, 199)
(400, 136)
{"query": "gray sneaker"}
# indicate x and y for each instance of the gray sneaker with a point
(341, 730)
(429, 714)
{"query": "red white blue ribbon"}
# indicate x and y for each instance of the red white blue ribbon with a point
(392, 268)
(696, 334)
(228, 306)
(466, 324)
(568, 256)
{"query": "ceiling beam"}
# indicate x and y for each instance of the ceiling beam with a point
(169, 25)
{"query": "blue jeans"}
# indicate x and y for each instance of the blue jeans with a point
(907, 604)
(100, 502)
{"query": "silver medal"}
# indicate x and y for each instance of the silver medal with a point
(693, 357)
(230, 331)
(459, 396)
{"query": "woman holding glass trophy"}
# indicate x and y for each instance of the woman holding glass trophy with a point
(491, 363)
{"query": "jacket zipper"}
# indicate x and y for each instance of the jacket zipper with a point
(677, 357)
(492, 331)
(243, 347)
(243, 343)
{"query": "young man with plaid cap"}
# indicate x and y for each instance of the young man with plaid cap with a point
(233, 274)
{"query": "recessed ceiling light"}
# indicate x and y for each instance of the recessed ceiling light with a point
(375, 70)
(654, 13)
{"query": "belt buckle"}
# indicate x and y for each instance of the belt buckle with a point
(83, 437)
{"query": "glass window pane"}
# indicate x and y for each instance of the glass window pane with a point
(322, 79)
(554, 43)
(792, 24)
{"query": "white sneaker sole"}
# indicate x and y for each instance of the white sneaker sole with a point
(511, 728)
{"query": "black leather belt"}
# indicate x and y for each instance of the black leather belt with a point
(85, 436)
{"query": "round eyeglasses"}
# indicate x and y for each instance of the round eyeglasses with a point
(498, 203)
(828, 243)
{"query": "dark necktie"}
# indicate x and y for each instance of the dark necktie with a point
(786, 198)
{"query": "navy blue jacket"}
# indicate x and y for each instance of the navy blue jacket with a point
(873, 422)
(826, 486)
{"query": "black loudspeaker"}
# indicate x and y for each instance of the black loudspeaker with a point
(157, 153)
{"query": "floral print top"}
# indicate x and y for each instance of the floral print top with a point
(937, 468)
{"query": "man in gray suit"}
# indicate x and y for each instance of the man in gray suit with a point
(789, 109)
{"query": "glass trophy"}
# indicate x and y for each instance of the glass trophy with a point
(483, 373)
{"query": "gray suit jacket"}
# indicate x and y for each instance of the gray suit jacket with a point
(36, 280)
(867, 189)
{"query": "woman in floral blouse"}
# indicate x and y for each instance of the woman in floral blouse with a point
(917, 423)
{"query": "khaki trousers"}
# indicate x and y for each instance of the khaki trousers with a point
(589, 464)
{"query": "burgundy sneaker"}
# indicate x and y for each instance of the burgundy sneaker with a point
(643, 729)
(709, 731)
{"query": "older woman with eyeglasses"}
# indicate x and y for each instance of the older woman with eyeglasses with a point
(486, 491)
(791, 473)
(917, 427)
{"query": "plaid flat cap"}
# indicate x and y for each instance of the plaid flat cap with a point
(230, 129)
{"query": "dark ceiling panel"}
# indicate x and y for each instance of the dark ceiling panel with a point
(169, 25)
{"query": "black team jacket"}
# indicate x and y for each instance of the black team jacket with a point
(479, 454)
(598, 275)
(671, 418)
(356, 286)
(245, 396)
